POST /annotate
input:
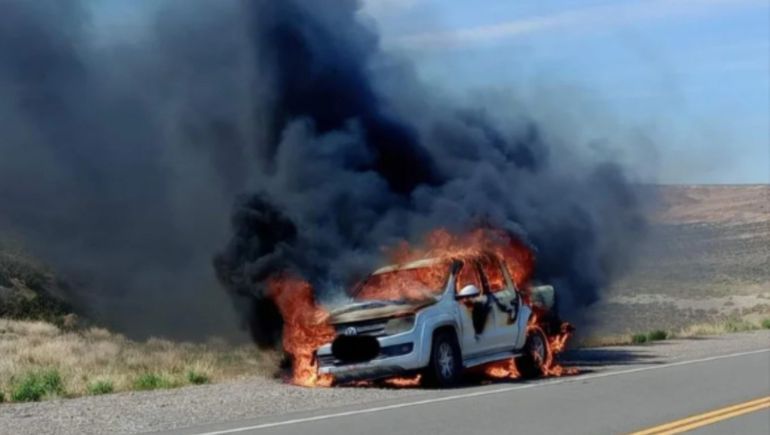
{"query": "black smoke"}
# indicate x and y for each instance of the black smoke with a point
(123, 156)
(119, 153)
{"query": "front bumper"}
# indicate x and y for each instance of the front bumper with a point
(399, 354)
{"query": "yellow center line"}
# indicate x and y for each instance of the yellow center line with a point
(717, 419)
(696, 421)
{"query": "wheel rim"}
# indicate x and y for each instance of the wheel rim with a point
(446, 360)
(538, 349)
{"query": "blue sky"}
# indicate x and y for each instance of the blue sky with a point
(692, 75)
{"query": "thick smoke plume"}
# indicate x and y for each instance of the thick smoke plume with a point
(121, 159)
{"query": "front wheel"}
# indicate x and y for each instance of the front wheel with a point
(445, 361)
(532, 363)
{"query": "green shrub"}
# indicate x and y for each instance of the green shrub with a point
(639, 338)
(32, 290)
(197, 378)
(152, 381)
(766, 323)
(657, 335)
(28, 391)
(100, 387)
(2, 397)
(34, 386)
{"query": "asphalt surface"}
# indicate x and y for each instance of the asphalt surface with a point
(627, 396)
(620, 389)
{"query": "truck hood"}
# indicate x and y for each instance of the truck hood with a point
(369, 310)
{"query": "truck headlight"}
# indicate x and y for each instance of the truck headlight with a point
(399, 324)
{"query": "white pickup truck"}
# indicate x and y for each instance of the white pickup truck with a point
(435, 317)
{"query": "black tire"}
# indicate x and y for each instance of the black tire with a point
(445, 364)
(531, 364)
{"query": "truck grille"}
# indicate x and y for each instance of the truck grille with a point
(373, 328)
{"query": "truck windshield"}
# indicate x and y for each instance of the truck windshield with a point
(410, 285)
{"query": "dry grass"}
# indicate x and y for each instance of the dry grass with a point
(97, 356)
(692, 331)
(604, 340)
(718, 328)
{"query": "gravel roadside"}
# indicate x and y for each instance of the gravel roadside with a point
(138, 412)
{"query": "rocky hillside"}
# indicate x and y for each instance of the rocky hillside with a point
(706, 258)
(29, 290)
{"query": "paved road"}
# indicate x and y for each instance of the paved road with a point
(625, 397)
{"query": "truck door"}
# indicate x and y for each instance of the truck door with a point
(505, 304)
(474, 313)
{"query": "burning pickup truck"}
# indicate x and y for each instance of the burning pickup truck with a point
(436, 317)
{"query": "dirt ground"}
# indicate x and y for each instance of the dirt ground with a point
(705, 258)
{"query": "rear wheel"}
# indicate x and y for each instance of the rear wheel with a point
(532, 363)
(445, 361)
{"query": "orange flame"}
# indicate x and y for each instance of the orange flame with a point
(442, 244)
(405, 382)
(306, 327)
(410, 285)
(551, 367)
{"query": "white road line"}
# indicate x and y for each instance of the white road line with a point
(477, 394)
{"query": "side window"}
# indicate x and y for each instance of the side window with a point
(467, 276)
(494, 274)
(508, 276)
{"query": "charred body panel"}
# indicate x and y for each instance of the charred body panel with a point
(377, 339)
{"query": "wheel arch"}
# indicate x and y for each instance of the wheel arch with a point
(430, 335)
(445, 328)
(450, 329)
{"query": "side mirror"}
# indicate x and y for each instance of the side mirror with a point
(469, 291)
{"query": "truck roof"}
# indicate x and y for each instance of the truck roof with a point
(425, 262)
